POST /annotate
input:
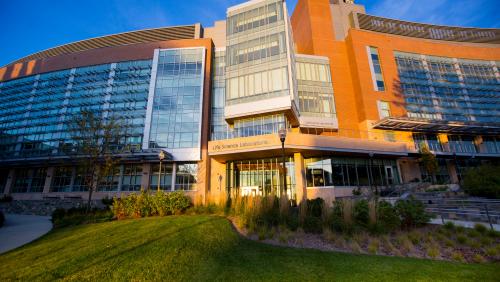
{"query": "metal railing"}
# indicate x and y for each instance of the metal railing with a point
(475, 210)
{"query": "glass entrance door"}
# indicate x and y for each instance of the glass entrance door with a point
(260, 177)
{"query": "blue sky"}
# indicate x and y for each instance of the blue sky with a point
(34, 25)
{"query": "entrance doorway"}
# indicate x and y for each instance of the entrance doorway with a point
(260, 177)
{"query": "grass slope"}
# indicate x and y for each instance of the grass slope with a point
(204, 248)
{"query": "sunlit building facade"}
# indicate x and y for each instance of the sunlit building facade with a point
(358, 96)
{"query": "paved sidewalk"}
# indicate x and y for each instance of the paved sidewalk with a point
(21, 229)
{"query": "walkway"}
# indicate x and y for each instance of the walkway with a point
(21, 229)
(468, 224)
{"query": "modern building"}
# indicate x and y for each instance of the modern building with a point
(358, 95)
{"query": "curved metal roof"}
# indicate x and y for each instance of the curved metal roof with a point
(125, 38)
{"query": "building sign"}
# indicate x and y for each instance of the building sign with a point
(427, 31)
(238, 145)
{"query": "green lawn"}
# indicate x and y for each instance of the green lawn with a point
(204, 248)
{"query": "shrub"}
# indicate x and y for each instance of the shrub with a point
(480, 228)
(2, 218)
(362, 213)
(485, 241)
(387, 216)
(313, 224)
(461, 239)
(473, 233)
(314, 207)
(457, 256)
(373, 246)
(493, 233)
(412, 213)
(433, 252)
(478, 258)
(460, 229)
(147, 204)
(449, 225)
(336, 219)
(483, 181)
(107, 201)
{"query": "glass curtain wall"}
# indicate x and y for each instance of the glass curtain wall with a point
(451, 89)
(176, 112)
(314, 87)
(329, 172)
(219, 129)
(35, 110)
(260, 177)
(256, 55)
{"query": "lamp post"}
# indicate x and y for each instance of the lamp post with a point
(161, 156)
(282, 134)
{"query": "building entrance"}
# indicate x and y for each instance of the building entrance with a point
(260, 177)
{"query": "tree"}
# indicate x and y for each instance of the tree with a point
(483, 181)
(95, 139)
(428, 161)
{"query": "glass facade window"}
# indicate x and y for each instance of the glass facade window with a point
(376, 69)
(260, 177)
(131, 178)
(450, 89)
(176, 113)
(38, 180)
(462, 144)
(270, 83)
(186, 177)
(442, 175)
(165, 177)
(219, 129)
(22, 180)
(35, 110)
(260, 125)
(257, 56)
(330, 172)
(315, 90)
(110, 181)
(81, 180)
(384, 109)
(431, 140)
(255, 18)
(491, 144)
(313, 72)
(61, 179)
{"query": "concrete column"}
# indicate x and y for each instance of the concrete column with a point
(146, 170)
(174, 172)
(300, 177)
(120, 179)
(48, 180)
(452, 171)
(10, 182)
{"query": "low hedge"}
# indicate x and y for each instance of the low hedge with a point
(76, 216)
(147, 204)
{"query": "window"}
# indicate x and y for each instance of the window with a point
(186, 177)
(61, 181)
(131, 179)
(110, 180)
(165, 178)
(376, 69)
(176, 113)
(327, 172)
(383, 109)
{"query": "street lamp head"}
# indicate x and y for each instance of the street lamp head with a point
(161, 155)
(282, 134)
